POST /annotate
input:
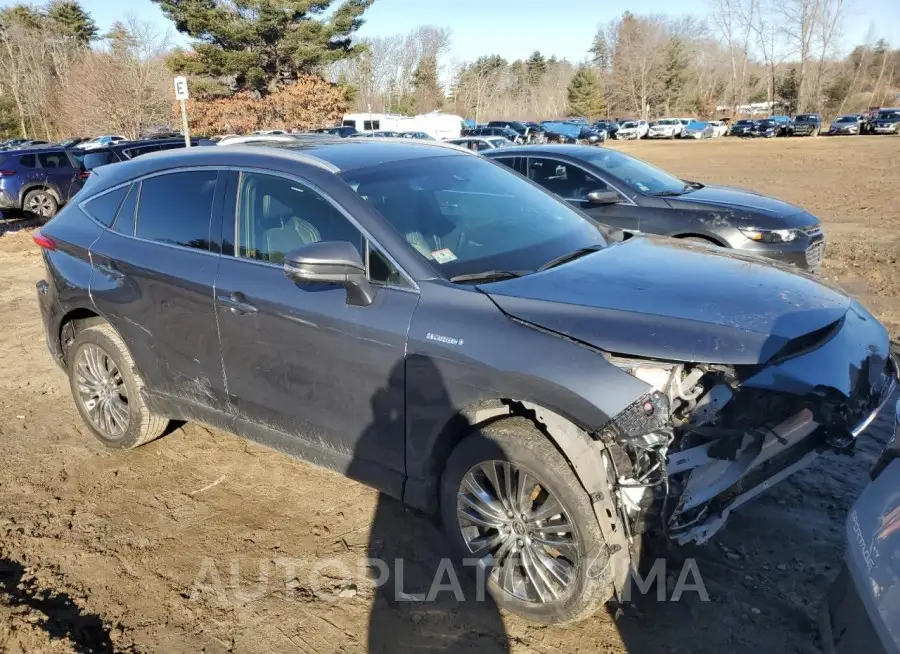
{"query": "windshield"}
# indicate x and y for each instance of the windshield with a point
(467, 215)
(765, 123)
(889, 115)
(500, 142)
(667, 121)
(630, 124)
(847, 119)
(806, 118)
(637, 174)
(744, 122)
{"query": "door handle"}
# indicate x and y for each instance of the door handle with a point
(237, 303)
(109, 270)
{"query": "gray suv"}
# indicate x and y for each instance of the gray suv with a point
(425, 321)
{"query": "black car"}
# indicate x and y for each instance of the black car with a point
(483, 130)
(608, 126)
(862, 608)
(806, 125)
(518, 127)
(126, 150)
(848, 125)
(633, 196)
(344, 131)
(422, 319)
(742, 127)
(766, 129)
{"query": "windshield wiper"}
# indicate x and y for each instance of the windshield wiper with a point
(667, 194)
(488, 276)
(571, 256)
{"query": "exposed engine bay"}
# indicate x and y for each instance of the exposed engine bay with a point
(709, 437)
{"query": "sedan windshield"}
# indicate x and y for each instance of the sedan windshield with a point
(889, 115)
(629, 125)
(744, 122)
(667, 121)
(469, 216)
(847, 119)
(635, 173)
(806, 118)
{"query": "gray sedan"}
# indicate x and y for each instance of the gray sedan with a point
(631, 195)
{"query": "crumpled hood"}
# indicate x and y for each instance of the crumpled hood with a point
(724, 196)
(666, 299)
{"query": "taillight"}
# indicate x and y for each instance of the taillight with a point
(7, 173)
(44, 241)
(84, 174)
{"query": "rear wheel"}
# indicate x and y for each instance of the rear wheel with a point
(41, 204)
(510, 502)
(107, 387)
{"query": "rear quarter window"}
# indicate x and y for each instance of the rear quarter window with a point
(103, 208)
(96, 159)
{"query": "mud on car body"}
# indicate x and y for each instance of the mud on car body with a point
(437, 326)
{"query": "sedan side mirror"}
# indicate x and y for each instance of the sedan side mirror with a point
(331, 262)
(603, 197)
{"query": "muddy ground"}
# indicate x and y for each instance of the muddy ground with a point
(201, 542)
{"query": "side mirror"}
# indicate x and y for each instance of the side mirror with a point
(603, 197)
(331, 262)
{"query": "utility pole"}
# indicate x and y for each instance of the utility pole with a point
(181, 94)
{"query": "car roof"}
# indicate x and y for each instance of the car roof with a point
(334, 155)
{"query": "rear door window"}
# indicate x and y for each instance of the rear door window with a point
(52, 160)
(103, 208)
(28, 161)
(175, 208)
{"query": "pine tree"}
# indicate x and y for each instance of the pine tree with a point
(789, 89)
(537, 68)
(70, 18)
(585, 94)
(428, 93)
(600, 52)
(674, 75)
(264, 42)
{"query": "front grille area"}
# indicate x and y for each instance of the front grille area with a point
(814, 255)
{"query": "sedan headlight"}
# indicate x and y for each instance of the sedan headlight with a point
(769, 235)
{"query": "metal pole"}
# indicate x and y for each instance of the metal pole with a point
(184, 125)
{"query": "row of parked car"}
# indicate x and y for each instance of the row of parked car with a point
(882, 121)
(555, 395)
(39, 178)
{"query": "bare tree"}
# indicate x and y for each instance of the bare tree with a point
(122, 87)
(800, 18)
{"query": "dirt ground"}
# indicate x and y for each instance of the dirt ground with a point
(202, 542)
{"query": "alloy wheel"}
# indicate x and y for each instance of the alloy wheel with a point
(514, 526)
(101, 391)
(41, 204)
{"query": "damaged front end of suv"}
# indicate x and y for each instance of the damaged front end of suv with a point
(750, 370)
(709, 436)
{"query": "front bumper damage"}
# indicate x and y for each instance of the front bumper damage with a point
(710, 437)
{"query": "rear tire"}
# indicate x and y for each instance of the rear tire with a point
(552, 584)
(106, 387)
(40, 204)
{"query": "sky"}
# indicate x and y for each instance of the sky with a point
(515, 28)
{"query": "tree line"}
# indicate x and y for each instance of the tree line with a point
(296, 64)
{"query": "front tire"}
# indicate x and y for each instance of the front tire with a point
(106, 387)
(510, 500)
